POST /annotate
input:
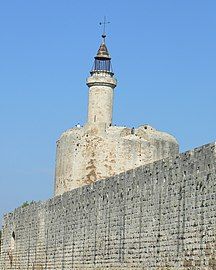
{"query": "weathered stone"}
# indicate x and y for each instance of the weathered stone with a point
(85, 155)
(158, 216)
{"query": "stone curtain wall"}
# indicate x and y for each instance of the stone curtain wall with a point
(158, 216)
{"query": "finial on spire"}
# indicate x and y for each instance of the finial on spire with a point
(104, 28)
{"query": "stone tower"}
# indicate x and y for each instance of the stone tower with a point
(100, 150)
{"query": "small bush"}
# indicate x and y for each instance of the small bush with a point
(26, 203)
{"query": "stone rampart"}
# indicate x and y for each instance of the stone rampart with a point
(158, 216)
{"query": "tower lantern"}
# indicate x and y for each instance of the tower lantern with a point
(102, 60)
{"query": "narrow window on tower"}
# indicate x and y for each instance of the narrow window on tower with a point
(95, 118)
(13, 240)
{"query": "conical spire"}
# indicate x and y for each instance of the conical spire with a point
(103, 53)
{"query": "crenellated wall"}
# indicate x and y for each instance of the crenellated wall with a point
(158, 216)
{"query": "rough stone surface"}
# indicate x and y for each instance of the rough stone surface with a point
(85, 155)
(100, 104)
(157, 216)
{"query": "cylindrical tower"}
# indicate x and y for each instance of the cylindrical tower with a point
(101, 84)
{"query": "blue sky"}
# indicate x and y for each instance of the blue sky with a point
(164, 57)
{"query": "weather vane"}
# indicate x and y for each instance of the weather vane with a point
(104, 23)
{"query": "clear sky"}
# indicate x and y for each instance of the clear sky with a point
(164, 57)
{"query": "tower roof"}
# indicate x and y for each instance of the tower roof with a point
(102, 62)
(103, 53)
